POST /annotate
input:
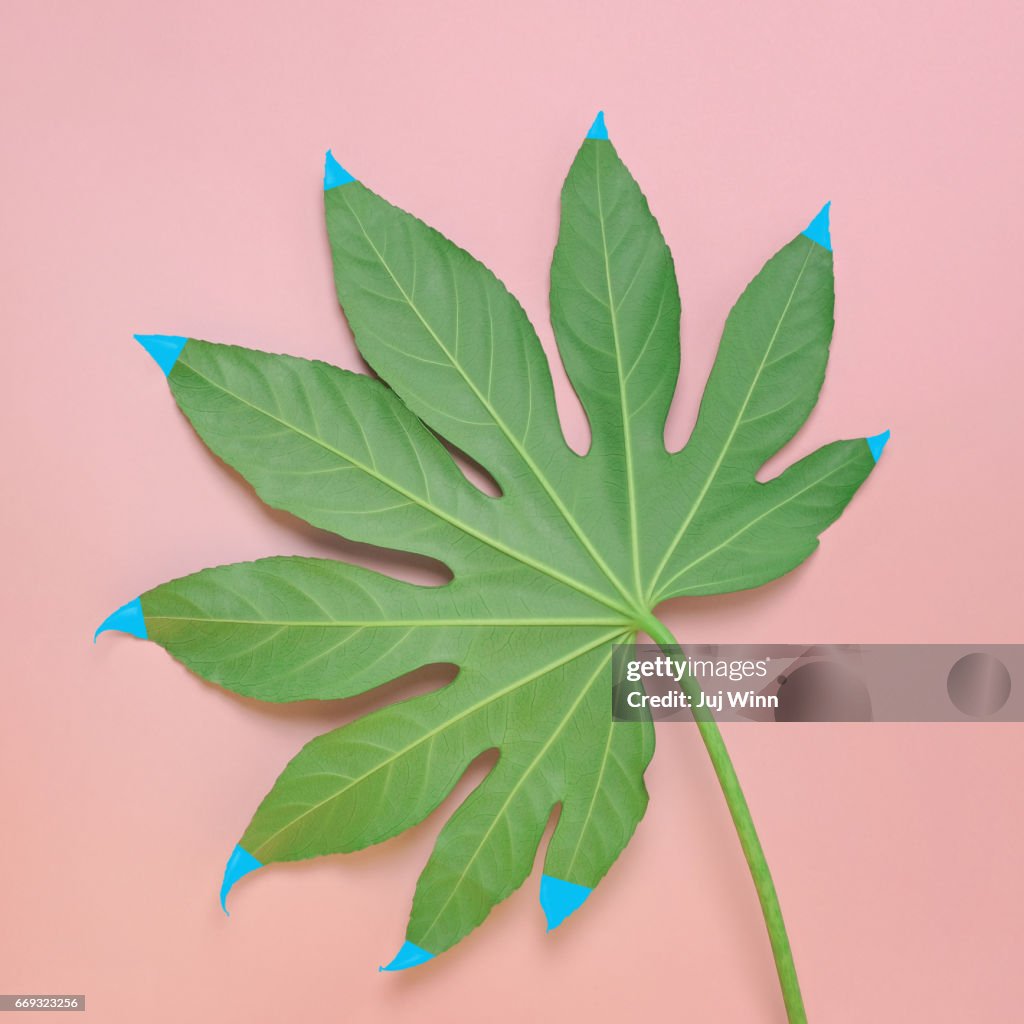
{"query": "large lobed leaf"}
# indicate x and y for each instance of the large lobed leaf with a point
(571, 558)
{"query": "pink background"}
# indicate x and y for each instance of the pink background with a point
(161, 172)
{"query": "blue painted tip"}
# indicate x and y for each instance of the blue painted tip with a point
(410, 955)
(559, 899)
(598, 129)
(164, 348)
(240, 864)
(127, 619)
(817, 230)
(878, 442)
(334, 173)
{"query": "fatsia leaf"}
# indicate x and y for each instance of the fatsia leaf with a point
(572, 556)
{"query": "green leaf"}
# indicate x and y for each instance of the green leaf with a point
(570, 559)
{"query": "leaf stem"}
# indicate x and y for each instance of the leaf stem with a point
(749, 841)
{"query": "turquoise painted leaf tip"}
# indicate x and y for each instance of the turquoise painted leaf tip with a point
(240, 864)
(164, 348)
(878, 442)
(127, 619)
(410, 955)
(334, 174)
(598, 130)
(818, 229)
(559, 899)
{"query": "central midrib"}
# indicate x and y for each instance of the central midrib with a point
(627, 443)
(385, 623)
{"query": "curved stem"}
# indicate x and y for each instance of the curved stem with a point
(733, 792)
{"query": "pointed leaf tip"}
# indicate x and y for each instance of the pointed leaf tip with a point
(334, 173)
(164, 348)
(598, 130)
(410, 955)
(240, 864)
(878, 442)
(818, 229)
(559, 899)
(127, 619)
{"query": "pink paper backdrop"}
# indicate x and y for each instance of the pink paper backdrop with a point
(161, 172)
